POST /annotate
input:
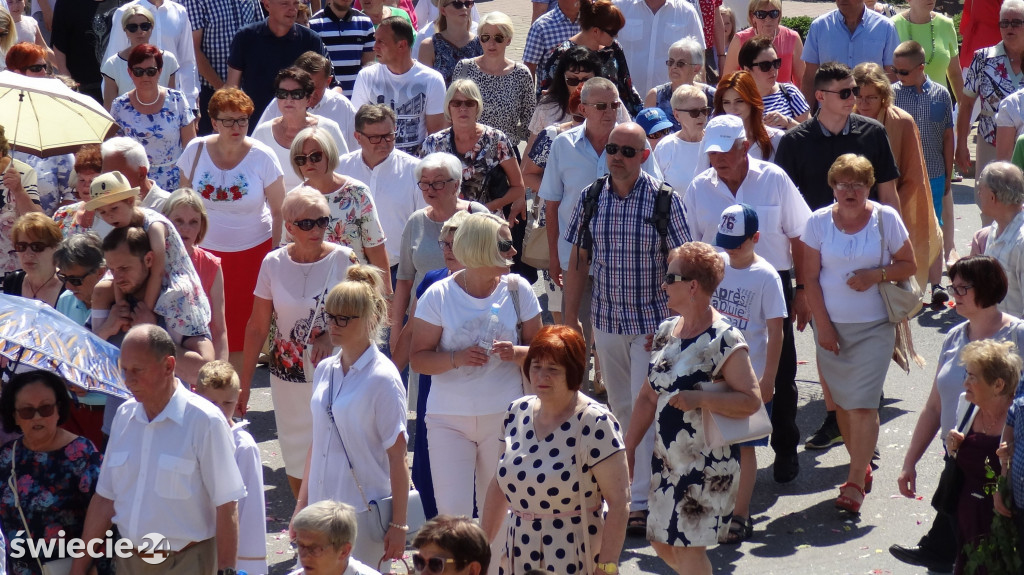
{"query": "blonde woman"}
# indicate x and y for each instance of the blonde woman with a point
(10, 35)
(765, 18)
(453, 39)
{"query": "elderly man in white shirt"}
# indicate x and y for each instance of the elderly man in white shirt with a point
(388, 173)
(651, 27)
(733, 178)
(169, 469)
(172, 31)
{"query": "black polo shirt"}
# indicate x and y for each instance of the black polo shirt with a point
(807, 152)
(260, 55)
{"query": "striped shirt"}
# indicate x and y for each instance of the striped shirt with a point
(788, 101)
(628, 266)
(347, 40)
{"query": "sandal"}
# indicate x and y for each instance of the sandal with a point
(636, 525)
(847, 503)
(869, 480)
(740, 530)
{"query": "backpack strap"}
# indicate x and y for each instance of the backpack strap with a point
(584, 239)
(662, 211)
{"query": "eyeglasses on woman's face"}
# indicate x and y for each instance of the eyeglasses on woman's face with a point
(436, 186)
(673, 278)
(960, 290)
(504, 246)
(695, 112)
(485, 38)
(28, 413)
(341, 320)
(232, 122)
(767, 65)
(309, 223)
(462, 103)
(35, 68)
(765, 14)
(133, 28)
(296, 94)
(433, 565)
(37, 247)
(151, 71)
(315, 158)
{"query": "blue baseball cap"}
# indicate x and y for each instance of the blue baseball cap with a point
(653, 120)
(738, 224)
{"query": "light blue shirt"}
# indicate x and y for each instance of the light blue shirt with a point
(574, 164)
(829, 40)
(75, 310)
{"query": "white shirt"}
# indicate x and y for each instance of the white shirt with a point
(748, 298)
(677, 159)
(1011, 112)
(355, 567)
(463, 319)
(1008, 248)
(394, 191)
(171, 31)
(782, 212)
(116, 69)
(155, 199)
(413, 96)
(333, 106)
(646, 37)
(369, 407)
(264, 133)
(252, 512)
(170, 474)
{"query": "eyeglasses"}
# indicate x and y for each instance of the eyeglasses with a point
(627, 151)
(75, 280)
(696, 112)
(231, 122)
(960, 290)
(42, 410)
(611, 33)
(499, 38)
(602, 106)
(378, 138)
(445, 245)
(677, 63)
(504, 246)
(308, 223)
(845, 93)
(870, 99)
(297, 94)
(315, 157)
(341, 320)
(573, 82)
(437, 186)
(36, 68)
(765, 14)
(462, 103)
(460, 4)
(767, 65)
(133, 28)
(308, 550)
(850, 186)
(659, 134)
(433, 565)
(37, 247)
(904, 72)
(673, 278)
(140, 72)
(1015, 23)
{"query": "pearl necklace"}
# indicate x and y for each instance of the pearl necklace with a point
(139, 100)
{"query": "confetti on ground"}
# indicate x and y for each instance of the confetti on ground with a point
(803, 546)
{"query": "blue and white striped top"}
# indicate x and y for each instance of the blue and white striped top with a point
(346, 39)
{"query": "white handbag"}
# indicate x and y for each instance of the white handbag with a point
(721, 430)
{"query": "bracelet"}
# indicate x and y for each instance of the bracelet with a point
(799, 286)
(453, 361)
(397, 526)
(883, 274)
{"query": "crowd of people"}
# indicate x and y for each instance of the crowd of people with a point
(363, 199)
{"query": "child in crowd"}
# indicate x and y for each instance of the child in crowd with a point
(729, 23)
(750, 297)
(27, 27)
(219, 383)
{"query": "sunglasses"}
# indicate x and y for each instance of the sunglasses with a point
(133, 28)
(463, 103)
(376, 139)
(904, 72)
(611, 33)
(37, 247)
(499, 38)
(315, 157)
(673, 278)
(504, 246)
(696, 112)
(140, 72)
(1015, 23)
(308, 223)
(677, 63)
(433, 565)
(341, 320)
(437, 186)
(602, 106)
(627, 151)
(30, 412)
(767, 65)
(36, 68)
(297, 94)
(75, 280)
(460, 4)
(573, 82)
(659, 134)
(231, 122)
(960, 290)
(845, 93)
(765, 14)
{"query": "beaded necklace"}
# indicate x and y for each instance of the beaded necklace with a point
(931, 29)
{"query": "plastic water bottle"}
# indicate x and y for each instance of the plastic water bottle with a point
(493, 325)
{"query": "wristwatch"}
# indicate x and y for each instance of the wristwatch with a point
(611, 567)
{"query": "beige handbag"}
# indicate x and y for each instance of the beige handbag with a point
(721, 430)
(535, 243)
(902, 299)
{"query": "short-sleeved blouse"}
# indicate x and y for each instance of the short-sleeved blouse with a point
(354, 221)
(54, 488)
(613, 67)
(542, 475)
(663, 93)
(784, 43)
(420, 252)
(159, 133)
(447, 55)
(509, 98)
(490, 150)
(116, 69)
(182, 302)
(234, 199)
(264, 133)
(207, 265)
(990, 78)
(788, 101)
(937, 37)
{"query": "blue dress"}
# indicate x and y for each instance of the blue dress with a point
(159, 133)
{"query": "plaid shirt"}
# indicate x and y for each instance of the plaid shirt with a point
(548, 31)
(628, 266)
(932, 110)
(220, 20)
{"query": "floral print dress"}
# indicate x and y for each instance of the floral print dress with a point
(54, 489)
(159, 133)
(354, 221)
(490, 150)
(182, 301)
(693, 488)
(990, 78)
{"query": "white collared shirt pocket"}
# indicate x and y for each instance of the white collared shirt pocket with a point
(175, 477)
(115, 465)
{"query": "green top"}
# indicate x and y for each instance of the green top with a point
(945, 42)
(401, 14)
(1018, 153)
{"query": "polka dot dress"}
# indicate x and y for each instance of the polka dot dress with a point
(693, 488)
(540, 475)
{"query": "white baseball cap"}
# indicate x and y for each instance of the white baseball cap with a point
(722, 132)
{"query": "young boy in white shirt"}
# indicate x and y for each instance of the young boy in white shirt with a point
(750, 297)
(219, 383)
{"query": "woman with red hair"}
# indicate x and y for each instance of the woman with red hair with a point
(137, 23)
(737, 95)
(27, 59)
(539, 474)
